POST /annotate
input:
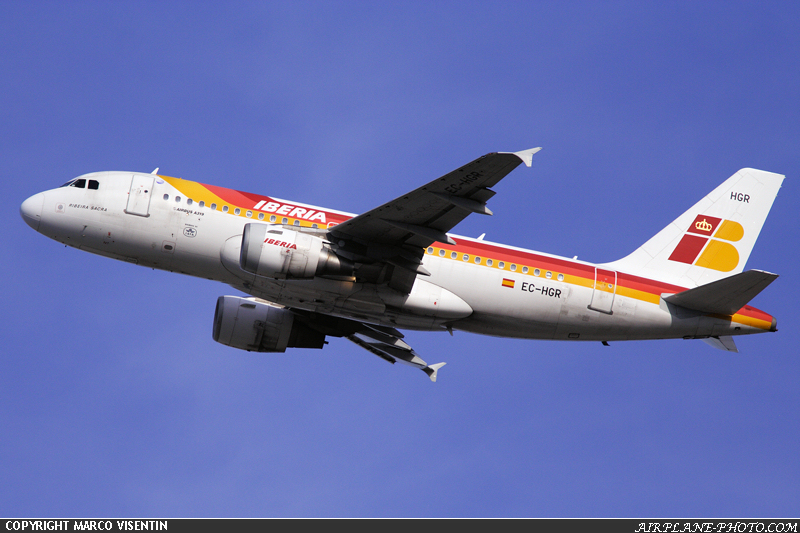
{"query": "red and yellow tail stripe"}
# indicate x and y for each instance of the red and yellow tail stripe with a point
(525, 263)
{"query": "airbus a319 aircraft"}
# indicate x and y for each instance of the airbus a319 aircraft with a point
(313, 272)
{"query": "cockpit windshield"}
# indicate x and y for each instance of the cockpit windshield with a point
(80, 183)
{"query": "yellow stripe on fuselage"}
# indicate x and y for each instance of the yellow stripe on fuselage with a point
(194, 190)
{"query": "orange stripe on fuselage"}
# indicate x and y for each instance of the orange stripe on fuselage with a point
(580, 274)
(247, 201)
(630, 286)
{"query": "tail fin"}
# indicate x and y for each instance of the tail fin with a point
(714, 238)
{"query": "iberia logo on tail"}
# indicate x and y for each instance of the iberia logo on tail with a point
(709, 235)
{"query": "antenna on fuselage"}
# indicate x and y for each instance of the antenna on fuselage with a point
(155, 171)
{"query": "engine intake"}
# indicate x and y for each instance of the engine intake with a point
(252, 325)
(275, 252)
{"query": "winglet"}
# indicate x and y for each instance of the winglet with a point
(432, 369)
(527, 155)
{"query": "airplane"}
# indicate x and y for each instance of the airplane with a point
(313, 272)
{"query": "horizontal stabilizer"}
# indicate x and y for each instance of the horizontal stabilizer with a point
(725, 296)
(724, 342)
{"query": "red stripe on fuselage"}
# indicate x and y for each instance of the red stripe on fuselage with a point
(236, 198)
(501, 253)
(567, 267)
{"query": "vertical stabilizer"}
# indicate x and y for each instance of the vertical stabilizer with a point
(713, 239)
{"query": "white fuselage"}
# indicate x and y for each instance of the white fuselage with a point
(473, 286)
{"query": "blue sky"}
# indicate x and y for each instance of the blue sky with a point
(114, 399)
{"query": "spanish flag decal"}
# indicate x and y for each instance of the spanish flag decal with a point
(508, 283)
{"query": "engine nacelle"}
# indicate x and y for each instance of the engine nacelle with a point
(275, 252)
(251, 325)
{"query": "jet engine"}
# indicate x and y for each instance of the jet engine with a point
(253, 325)
(275, 252)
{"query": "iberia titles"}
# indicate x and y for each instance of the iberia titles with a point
(280, 244)
(291, 211)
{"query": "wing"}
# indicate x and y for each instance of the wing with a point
(398, 231)
(387, 343)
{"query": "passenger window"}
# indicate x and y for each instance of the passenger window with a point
(248, 214)
(537, 272)
(501, 264)
(188, 201)
(441, 253)
(80, 184)
(224, 208)
(202, 203)
(454, 255)
(513, 268)
(524, 270)
(94, 184)
(488, 262)
(166, 197)
(548, 275)
(430, 250)
(214, 207)
(285, 220)
(561, 277)
(315, 225)
(237, 211)
(296, 222)
(177, 198)
(272, 218)
(477, 260)
(466, 257)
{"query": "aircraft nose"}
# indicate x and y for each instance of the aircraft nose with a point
(31, 210)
